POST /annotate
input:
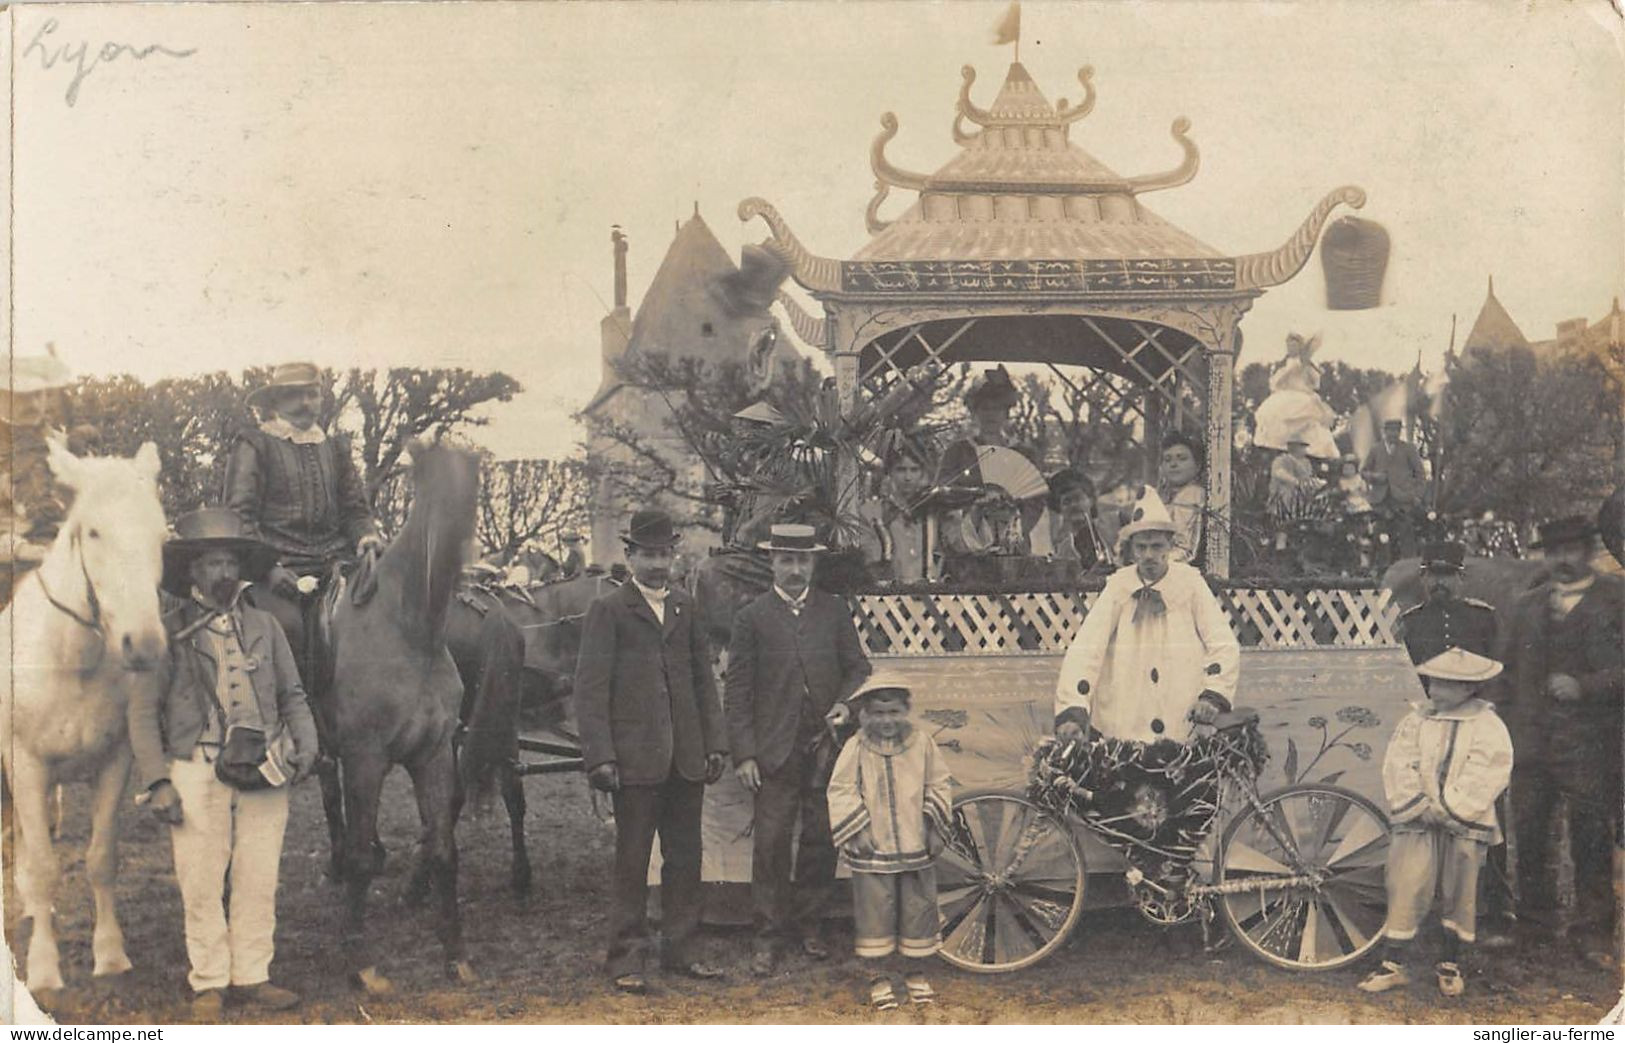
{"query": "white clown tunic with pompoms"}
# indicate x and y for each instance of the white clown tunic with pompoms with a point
(1128, 674)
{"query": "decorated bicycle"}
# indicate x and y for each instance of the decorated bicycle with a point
(1024, 254)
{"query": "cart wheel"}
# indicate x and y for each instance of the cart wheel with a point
(1308, 830)
(1009, 884)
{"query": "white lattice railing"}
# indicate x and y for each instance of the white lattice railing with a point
(1002, 624)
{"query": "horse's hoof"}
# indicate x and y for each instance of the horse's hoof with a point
(373, 983)
(462, 972)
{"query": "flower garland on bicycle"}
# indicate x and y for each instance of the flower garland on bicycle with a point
(1155, 654)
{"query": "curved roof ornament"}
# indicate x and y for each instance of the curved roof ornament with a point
(961, 137)
(811, 271)
(884, 171)
(1274, 267)
(1180, 174)
(967, 108)
(814, 332)
(1083, 108)
(871, 215)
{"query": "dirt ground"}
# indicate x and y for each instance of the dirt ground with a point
(540, 961)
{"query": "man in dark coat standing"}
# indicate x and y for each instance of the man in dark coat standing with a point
(1561, 699)
(793, 658)
(652, 735)
(1398, 483)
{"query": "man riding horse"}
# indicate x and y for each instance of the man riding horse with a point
(298, 492)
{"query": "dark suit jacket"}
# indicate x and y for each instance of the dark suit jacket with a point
(1406, 480)
(166, 719)
(782, 666)
(645, 697)
(1585, 732)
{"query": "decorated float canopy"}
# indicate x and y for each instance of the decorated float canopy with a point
(1025, 248)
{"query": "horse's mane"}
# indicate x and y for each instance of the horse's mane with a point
(427, 555)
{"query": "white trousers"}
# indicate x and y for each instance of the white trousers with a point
(227, 831)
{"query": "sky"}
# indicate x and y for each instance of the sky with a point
(434, 184)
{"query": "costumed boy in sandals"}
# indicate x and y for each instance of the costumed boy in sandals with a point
(1448, 760)
(888, 807)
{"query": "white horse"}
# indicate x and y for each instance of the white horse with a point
(79, 634)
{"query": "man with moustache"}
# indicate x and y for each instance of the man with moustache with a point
(652, 735)
(230, 668)
(794, 656)
(297, 491)
(1561, 697)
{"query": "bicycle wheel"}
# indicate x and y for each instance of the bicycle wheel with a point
(1334, 836)
(1009, 884)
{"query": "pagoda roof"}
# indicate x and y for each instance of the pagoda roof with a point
(1022, 210)
(1020, 189)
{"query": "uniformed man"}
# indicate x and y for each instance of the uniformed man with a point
(1445, 619)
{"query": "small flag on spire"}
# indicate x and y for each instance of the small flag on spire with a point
(1009, 28)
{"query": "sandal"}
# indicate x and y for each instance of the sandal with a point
(920, 991)
(881, 996)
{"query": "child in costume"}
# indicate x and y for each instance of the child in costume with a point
(889, 799)
(1448, 760)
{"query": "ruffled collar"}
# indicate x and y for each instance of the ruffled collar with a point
(277, 427)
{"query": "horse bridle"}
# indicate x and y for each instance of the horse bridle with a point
(94, 623)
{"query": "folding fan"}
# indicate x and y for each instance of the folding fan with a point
(1010, 471)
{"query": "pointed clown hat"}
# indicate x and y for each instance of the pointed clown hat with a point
(1150, 515)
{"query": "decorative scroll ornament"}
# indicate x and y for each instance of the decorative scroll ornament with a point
(1272, 268)
(967, 108)
(812, 331)
(811, 271)
(884, 171)
(1070, 116)
(871, 214)
(1180, 174)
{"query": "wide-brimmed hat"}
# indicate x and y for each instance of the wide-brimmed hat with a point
(211, 528)
(286, 375)
(880, 681)
(1458, 664)
(994, 387)
(1576, 528)
(762, 412)
(1150, 515)
(652, 530)
(1444, 556)
(786, 536)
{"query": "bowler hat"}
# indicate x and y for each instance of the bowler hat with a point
(651, 530)
(211, 528)
(1573, 529)
(792, 537)
(1444, 556)
(286, 375)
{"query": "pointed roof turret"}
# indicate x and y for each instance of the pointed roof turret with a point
(1494, 329)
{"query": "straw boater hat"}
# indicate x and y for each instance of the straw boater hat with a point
(212, 528)
(652, 530)
(1150, 515)
(1458, 664)
(286, 375)
(792, 537)
(880, 681)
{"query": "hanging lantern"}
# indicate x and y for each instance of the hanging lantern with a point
(1354, 254)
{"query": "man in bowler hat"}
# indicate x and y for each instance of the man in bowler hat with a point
(793, 657)
(652, 735)
(1561, 696)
